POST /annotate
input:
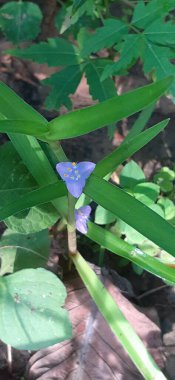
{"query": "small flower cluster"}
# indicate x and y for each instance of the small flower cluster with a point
(75, 175)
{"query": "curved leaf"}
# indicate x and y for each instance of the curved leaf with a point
(121, 248)
(83, 121)
(133, 212)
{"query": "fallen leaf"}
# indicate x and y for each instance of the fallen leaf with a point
(94, 352)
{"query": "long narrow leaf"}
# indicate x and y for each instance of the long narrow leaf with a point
(13, 107)
(117, 322)
(38, 165)
(34, 198)
(133, 212)
(83, 121)
(26, 127)
(122, 248)
(127, 149)
(140, 123)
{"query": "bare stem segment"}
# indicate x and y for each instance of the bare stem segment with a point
(71, 229)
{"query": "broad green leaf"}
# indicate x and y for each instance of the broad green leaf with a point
(63, 83)
(12, 107)
(168, 208)
(161, 33)
(54, 52)
(121, 248)
(125, 150)
(83, 121)
(146, 14)
(15, 182)
(99, 90)
(20, 251)
(156, 60)
(164, 178)
(103, 216)
(37, 218)
(20, 21)
(119, 325)
(133, 212)
(105, 36)
(147, 192)
(131, 175)
(32, 302)
(130, 51)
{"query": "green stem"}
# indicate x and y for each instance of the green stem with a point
(58, 150)
(106, 4)
(71, 230)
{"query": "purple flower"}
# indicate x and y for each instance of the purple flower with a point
(81, 218)
(75, 175)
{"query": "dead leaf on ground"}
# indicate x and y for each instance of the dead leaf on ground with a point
(94, 352)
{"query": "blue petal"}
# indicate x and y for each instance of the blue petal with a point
(82, 227)
(81, 218)
(85, 168)
(86, 210)
(75, 188)
(62, 167)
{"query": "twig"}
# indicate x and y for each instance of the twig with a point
(151, 291)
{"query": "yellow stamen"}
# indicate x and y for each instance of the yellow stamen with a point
(74, 163)
(69, 169)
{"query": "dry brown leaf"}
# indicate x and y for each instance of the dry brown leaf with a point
(94, 353)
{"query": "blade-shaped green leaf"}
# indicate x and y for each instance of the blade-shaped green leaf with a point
(63, 83)
(32, 302)
(140, 122)
(54, 52)
(34, 198)
(16, 181)
(26, 127)
(105, 36)
(77, 4)
(133, 212)
(125, 150)
(120, 247)
(38, 165)
(14, 108)
(118, 324)
(91, 118)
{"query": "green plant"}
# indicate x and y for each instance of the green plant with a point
(34, 294)
(145, 34)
